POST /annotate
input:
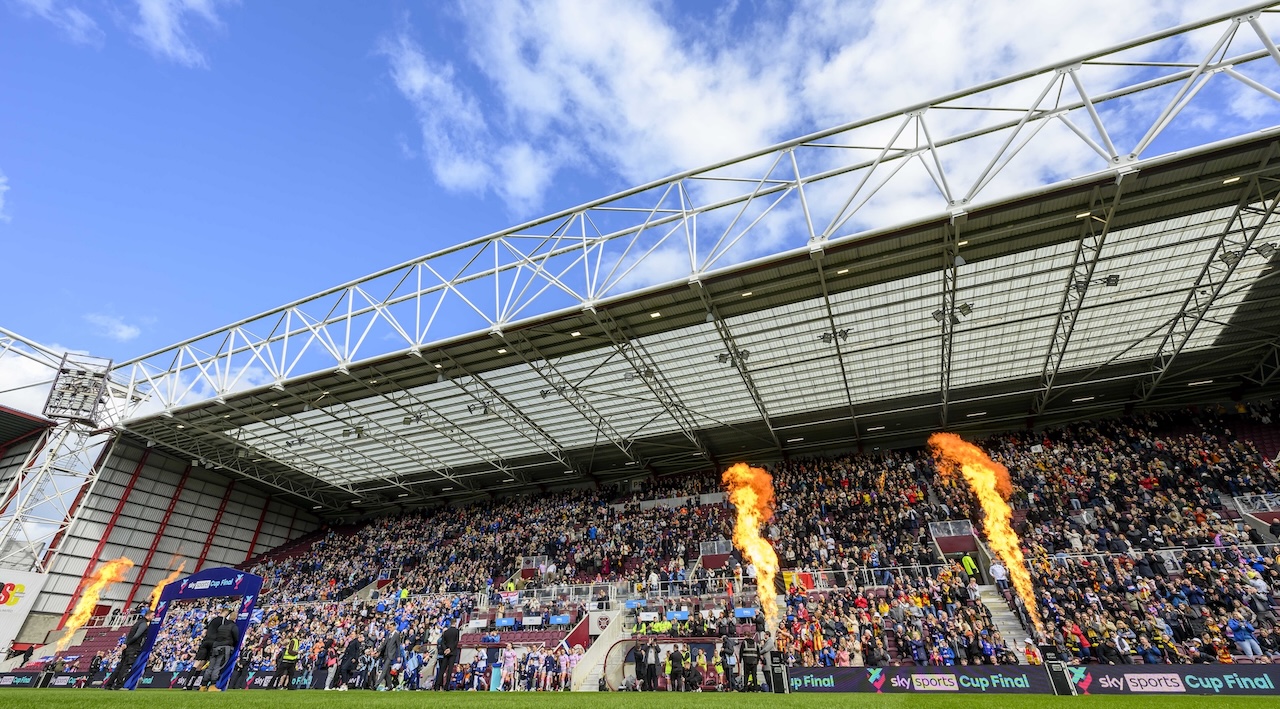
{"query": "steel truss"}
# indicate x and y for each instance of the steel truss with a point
(1088, 253)
(1113, 105)
(1258, 203)
(583, 257)
(43, 500)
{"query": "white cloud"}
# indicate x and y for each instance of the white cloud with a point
(113, 327)
(24, 384)
(643, 94)
(162, 26)
(78, 26)
(4, 187)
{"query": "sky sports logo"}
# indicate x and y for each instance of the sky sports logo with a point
(933, 683)
(1170, 682)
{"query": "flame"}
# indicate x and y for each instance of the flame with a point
(991, 485)
(155, 593)
(751, 492)
(111, 572)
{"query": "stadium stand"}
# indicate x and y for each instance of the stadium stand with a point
(1151, 562)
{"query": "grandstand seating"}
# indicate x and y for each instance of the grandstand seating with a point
(1113, 489)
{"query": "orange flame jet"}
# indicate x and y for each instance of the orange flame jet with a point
(173, 576)
(991, 485)
(751, 492)
(111, 572)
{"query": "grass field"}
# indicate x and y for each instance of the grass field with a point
(164, 699)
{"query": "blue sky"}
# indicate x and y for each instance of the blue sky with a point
(170, 166)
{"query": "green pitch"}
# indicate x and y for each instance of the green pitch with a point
(166, 699)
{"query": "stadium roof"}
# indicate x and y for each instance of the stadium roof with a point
(640, 334)
(16, 425)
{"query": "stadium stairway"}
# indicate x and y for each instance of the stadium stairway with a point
(1005, 620)
(586, 678)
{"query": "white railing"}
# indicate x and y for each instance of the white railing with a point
(719, 546)
(1269, 502)
(581, 593)
(714, 498)
(951, 528)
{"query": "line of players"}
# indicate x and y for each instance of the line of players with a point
(535, 669)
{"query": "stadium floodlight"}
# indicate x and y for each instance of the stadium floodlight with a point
(79, 389)
(1266, 250)
(1112, 280)
(965, 309)
(937, 315)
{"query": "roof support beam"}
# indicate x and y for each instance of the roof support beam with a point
(642, 363)
(563, 388)
(312, 491)
(947, 317)
(1088, 253)
(739, 361)
(1257, 204)
(836, 340)
(519, 421)
(1267, 368)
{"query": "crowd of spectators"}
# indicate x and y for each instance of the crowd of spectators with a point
(1126, 531)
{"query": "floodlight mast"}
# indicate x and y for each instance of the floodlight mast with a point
(43, 500)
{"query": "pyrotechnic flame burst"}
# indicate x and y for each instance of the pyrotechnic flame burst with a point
(173, 576)
(991, 485)
(751, 492)
(111, 572)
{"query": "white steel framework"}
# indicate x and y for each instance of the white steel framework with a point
(646, 331)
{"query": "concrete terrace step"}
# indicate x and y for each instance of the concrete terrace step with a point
(1004, 619)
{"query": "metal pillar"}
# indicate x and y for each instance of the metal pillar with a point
(1256, 207)
(1088, 253)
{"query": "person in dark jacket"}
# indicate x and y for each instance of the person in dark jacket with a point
(225, 640)
(202, 652)
(346, 665)
(446, 656)
(133, 643)
(389, 652)
(1108, 654)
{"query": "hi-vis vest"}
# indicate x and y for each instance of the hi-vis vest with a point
(291, 651)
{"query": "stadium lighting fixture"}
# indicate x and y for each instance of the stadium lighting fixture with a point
(509, 480)
(1202, 382)
(655, 315)
(1266, 250)
(875, 428)
(316, 507)
(373, 381)
(1112, 280)
(965, 309)
(963, 243)
(842, 271)
(182, 425)
(575, 333)
(445, 489)
(403, 494)
(794, 440)
(275, 403)
(937, 315)
(1231, 180)
(1082, 215)
(976, 414)
(744, 295)
(502, 350)
(226, 416)
(439, 366)
(1083, 399)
